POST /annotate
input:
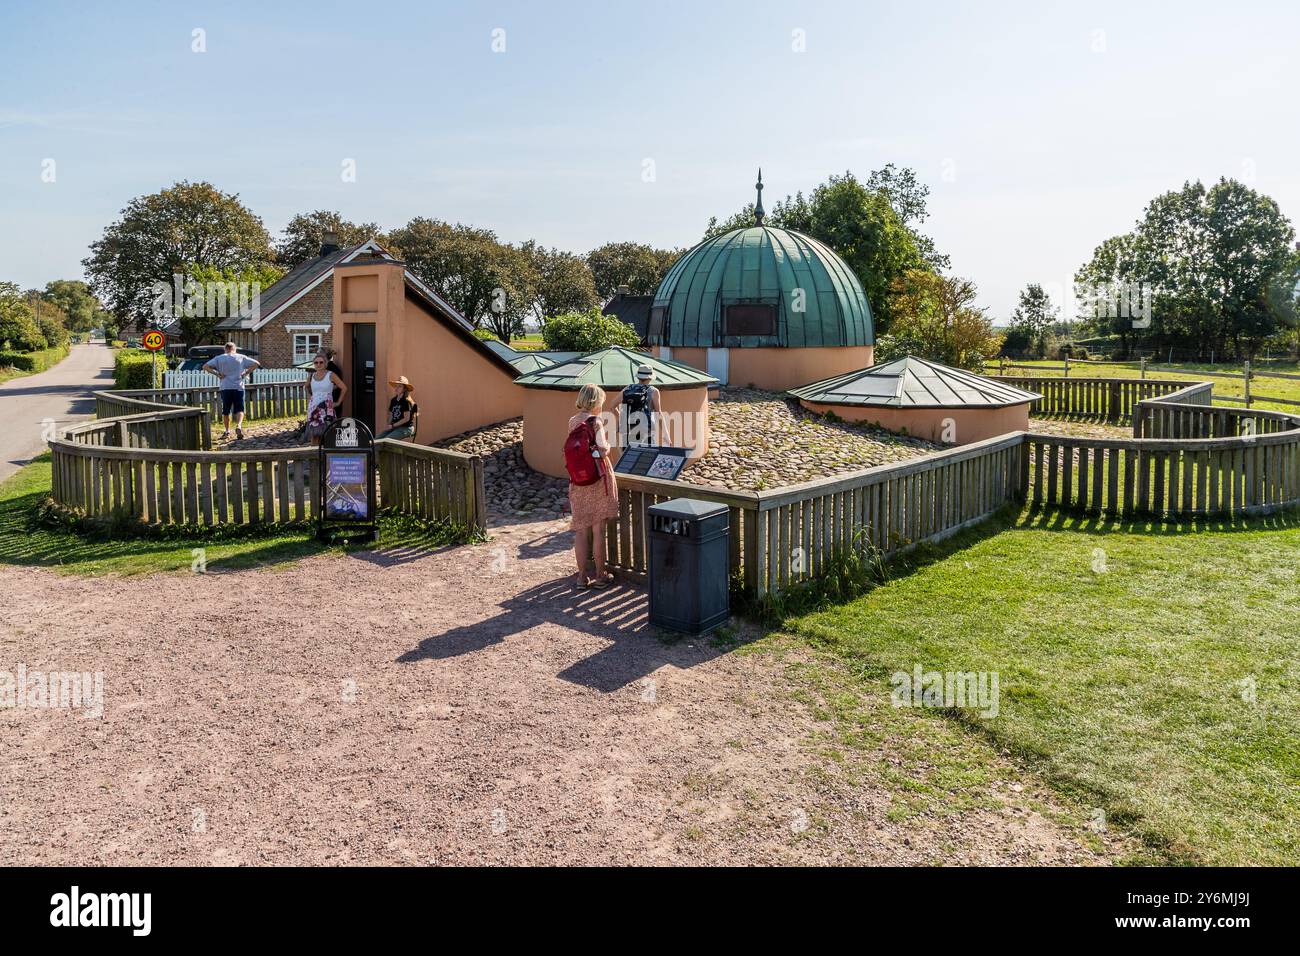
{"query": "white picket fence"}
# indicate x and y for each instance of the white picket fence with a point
(197, 378)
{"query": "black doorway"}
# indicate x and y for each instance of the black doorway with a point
(363, 373)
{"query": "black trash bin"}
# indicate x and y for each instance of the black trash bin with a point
(688, 565)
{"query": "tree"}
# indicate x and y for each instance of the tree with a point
(564, 281)
(159, 234)
(587, 332)
(18, 328)
(76, 301)
(1113, 264)
(1209, 260)
(457, 261)
(639, 267)
(216, 294)
(301, 239)
(935, 318)
(908, 196)
(50, 319)
(488, 282)
(860, 224)
(514, 292)
(1034, 316)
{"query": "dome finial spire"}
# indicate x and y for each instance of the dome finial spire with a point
(758, 206)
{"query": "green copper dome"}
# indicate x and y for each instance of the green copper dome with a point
(760, 286)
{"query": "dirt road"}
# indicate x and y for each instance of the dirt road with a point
(58, 396)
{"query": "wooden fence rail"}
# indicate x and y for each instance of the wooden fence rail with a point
(432, 483)
(1100, 399)
(1187, 457)
(1190, 458)
(154, 466)
(788, 535)
(261, 401)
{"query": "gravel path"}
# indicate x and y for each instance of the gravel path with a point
(460, 706)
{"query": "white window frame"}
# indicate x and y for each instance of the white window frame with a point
(310, 336)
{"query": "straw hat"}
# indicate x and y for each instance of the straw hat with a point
(403, 381)
(644, 371)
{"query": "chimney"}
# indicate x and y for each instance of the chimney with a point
(329, 243)
(624, 289)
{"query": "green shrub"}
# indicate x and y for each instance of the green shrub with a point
(53, 331)
(134, 368)
(19, 330)
(587, 332)
(37, 361)
(487, 335)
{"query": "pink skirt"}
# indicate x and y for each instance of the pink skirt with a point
(592, 503)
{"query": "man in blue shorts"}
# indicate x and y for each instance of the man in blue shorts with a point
(231, 368)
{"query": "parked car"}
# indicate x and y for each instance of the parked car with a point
(201, 355)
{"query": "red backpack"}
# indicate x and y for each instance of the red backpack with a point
(583, 466)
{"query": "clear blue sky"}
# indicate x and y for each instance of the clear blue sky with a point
(1041, 129)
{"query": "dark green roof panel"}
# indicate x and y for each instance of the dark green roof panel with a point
(912, 382)
(613, 367)
(762, 264)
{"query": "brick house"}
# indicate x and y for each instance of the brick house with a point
(384, 322)
(296, 313)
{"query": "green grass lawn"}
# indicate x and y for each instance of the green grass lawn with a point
(528, 343)
(1149, 671)
(1260, 385)
(24, 540)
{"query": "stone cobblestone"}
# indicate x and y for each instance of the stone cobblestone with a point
(760, 440)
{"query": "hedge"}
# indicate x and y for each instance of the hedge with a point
(587, 332)
(37, 361)
(134, 368)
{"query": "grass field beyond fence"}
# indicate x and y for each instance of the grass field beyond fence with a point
(1228, 379)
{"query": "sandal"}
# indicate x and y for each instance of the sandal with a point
(602, 581)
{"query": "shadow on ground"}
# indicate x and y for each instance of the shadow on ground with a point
(619, 614)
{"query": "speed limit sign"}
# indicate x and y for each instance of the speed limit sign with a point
(154, 340)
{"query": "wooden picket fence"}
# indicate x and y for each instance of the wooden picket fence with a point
(261, 401)
(198, 378)
(155, 466)
(787, 535)
(1188, 458)
(1100, 399)
(433, 483)
(150, 461)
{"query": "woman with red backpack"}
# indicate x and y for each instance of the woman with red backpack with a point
(593, 492)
